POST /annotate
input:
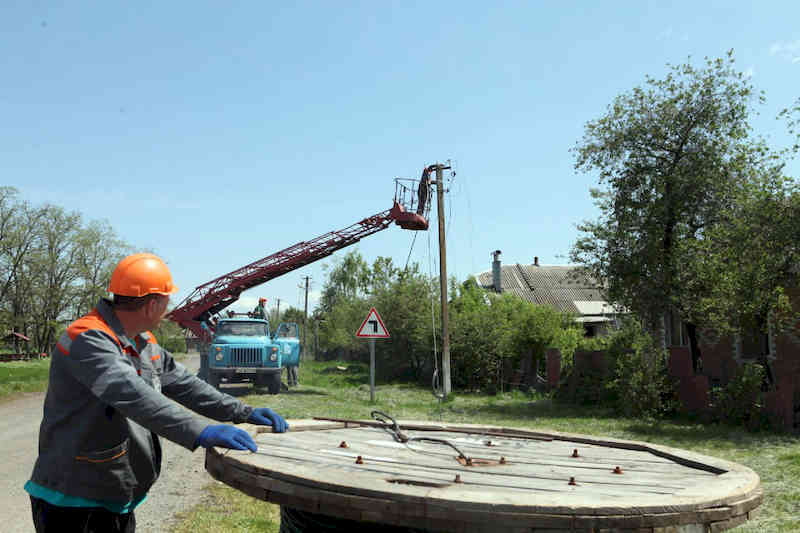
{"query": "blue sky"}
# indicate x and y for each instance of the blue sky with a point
(219, 133)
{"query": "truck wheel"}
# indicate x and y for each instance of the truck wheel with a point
(274, 383)
(261, 380)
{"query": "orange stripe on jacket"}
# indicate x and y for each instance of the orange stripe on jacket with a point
(82, 458)
(91, 321)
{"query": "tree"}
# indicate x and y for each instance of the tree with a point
(672, 157)
(18, 232)
(98, 250)
(348, 278)
(750, 259)
(54, 266)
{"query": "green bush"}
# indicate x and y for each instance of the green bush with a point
(173, 344)
(740, 401)
(639, 384)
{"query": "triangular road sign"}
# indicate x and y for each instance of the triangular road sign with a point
(372, 327)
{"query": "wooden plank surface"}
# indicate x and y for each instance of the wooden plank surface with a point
(414, 483)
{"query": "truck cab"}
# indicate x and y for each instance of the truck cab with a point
(244, 350)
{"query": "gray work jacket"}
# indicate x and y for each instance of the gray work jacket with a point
(108, 400)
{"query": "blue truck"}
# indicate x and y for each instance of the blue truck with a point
(244, 350)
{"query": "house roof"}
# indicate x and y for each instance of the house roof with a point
(562, 287)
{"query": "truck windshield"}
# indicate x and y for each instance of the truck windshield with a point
(251, 329)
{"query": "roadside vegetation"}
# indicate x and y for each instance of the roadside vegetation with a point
(31, 376)
(23, 376)
(339, 389)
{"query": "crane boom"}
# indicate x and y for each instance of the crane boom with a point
(214, 296)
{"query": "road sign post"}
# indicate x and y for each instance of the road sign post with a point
(372, 370)
(372, 328)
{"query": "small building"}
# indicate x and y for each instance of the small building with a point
(562, 287)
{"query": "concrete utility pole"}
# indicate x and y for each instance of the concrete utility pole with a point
(278, 312)
(446, 387)
(305, 318)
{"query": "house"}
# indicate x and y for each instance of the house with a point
(562, 287)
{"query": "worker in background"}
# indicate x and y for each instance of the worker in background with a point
(108, 401)
(291, 370)
(260, 310)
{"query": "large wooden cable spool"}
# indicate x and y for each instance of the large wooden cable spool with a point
(515, 480)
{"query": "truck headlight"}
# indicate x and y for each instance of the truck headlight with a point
(273, 356)
(218, 357)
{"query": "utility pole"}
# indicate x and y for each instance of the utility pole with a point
(278, 312)
(446, 387)
(305, 318)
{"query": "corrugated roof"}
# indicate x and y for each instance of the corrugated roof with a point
(556, 286)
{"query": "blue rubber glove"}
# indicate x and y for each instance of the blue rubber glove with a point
(226, 436)
(264, 416)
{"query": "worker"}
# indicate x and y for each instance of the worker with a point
(291, 375)
(107, 402)
(260, 310)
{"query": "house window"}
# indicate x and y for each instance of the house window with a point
(589, 330)
(675, 330)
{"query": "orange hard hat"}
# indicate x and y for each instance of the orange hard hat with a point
(141, 274)
(262, 300)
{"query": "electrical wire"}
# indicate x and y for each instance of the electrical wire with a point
(411, 250)
(435, 386)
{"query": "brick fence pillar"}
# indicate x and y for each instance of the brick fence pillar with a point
(693, 392)
(680, 362)
(553, 367)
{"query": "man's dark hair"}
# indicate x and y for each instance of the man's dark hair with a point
(133, 303)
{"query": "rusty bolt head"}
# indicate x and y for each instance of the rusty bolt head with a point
(572, 481)
(575, 453)
(502, 460)
(457, 479)
(489, 443)
(343, 445)
(617, 470)
(359, 460)
(469, 461)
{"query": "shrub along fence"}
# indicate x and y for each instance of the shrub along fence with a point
(638, 384)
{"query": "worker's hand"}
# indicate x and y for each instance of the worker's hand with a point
(226, 436)
(264, 416)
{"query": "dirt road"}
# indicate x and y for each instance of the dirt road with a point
(183, 475)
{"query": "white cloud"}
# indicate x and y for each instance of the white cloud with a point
(788, 50)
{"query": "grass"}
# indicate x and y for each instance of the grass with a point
(23, 376)
(30, 376)
(328, 391)
(225, 509)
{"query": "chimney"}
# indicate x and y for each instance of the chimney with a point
(496, 271)
(536, 261)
